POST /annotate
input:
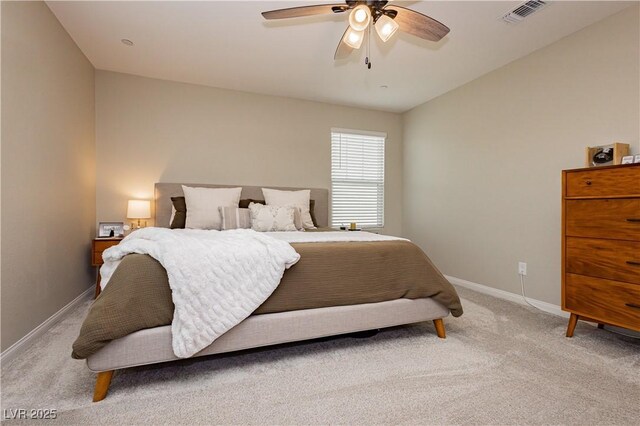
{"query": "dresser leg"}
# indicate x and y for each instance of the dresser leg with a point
(573, 320)
(600, 325)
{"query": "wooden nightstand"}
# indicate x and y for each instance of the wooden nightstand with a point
(99, 245)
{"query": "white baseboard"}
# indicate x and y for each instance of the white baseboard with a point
(512, 297)
(18, 347)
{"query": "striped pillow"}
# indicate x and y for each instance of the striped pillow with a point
(235, 218)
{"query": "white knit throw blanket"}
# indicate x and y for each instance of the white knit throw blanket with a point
(217, 279)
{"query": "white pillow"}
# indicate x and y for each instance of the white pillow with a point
(272, 218)
(173, 215)
(301, 199)
(202, 205)
(297, 218)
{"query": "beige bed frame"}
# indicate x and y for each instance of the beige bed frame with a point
(153, 345)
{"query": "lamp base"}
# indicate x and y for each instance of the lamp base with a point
(138, 225)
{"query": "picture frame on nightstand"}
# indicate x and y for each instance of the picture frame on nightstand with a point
(110, 229)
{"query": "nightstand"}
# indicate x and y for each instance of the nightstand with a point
(99, 245)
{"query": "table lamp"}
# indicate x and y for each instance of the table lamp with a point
(139, 209)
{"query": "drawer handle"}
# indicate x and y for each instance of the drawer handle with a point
(588, 182)
(633, 219)
(633, 263)
(632, 305)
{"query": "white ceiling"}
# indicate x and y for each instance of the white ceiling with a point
(229, 45)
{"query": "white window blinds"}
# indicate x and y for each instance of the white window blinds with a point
(357, 178)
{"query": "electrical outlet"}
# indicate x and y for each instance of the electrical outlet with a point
(522, 268)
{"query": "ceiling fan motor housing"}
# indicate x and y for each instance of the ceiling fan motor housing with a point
(375, 6)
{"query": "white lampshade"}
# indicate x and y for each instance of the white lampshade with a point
(359, 17)
(353, 38)
(139, 209)
(386, 27)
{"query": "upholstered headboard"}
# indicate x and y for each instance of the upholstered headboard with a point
(164, 192)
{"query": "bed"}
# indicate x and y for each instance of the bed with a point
(336, 288)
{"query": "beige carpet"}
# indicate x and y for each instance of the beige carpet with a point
(502, 363)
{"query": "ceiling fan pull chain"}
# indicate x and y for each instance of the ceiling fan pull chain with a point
(367, 61)
(366, 56)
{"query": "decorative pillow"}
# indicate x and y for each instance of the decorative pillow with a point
(312, 203)
(203, 203)
(179, 213)
(235, 218)
(301, 199)
(297, 218)
(272, 218)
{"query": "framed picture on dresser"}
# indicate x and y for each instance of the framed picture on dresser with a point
(606, 155)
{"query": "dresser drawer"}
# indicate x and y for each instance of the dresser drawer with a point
(609, 301)
(610, 259)
(615, 218)
(623, 181)
(100, 245)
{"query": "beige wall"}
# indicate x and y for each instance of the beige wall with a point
(48, 168)
(152, 130)
(482, 163)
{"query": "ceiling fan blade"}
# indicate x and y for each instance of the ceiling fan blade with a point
(296, 12)
(343, 50)
(417, 24)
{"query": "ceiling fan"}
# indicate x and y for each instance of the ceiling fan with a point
(384, 17)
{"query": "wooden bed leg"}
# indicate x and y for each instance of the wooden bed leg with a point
(439, 324)
(573, 320)
(102, 385)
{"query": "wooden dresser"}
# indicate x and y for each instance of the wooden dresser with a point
(601, 246)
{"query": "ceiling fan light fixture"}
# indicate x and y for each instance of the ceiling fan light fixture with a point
(359, 17)
(353, 38)
(386, 27)
(385, 17)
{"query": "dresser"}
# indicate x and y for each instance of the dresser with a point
(601, 246)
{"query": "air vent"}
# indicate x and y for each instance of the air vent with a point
(525, 9)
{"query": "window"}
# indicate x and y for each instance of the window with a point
(357, 178)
